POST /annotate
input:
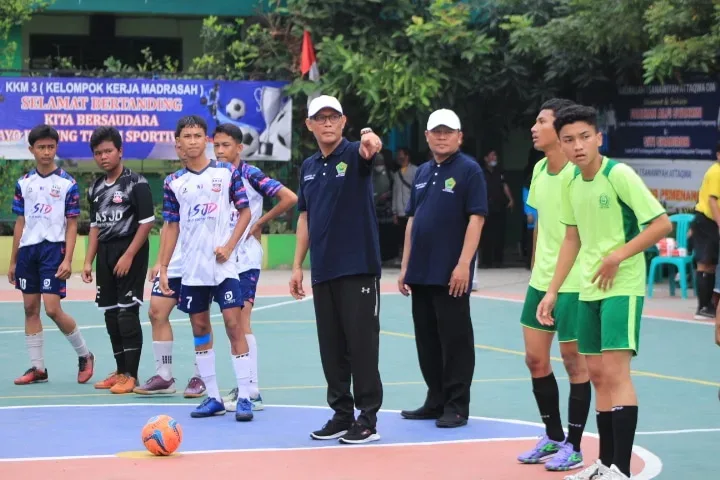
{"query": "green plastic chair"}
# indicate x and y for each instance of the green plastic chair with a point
(684, 264)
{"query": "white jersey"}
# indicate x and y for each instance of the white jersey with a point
(46, 202)
(201, 203)
(249, 251)
(174, 269)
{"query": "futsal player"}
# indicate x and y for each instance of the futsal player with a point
(437, 264)
(199, 201)
(338, 224)
(47, 205)
(161, 305)
(603, 206)
(227, 143)
(121, 217)
(548, 178)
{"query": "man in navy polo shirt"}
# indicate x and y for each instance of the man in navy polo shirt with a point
(338, 223)
(446, 213)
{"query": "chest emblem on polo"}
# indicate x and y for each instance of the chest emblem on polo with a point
(449, 185)
(604, 201)
(117, 197)
(341, 169)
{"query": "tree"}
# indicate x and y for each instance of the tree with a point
(14, 13)
(389, 61)
(615, 41)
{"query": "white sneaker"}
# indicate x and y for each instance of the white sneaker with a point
(596, 471)
(613, 473)
(230, 400)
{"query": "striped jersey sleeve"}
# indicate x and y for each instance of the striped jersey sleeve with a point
(266, 186)
(238, 195)
(171, 206)
(18, 204)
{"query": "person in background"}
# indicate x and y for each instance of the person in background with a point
(492, 244)
(530, 224)
(382, 193)
(402, 187)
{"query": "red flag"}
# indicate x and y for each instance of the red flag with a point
(308, 62)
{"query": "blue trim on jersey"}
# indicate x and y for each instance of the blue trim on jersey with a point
(238, 195)
(18, 204)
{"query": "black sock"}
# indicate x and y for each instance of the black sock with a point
(132, 338)
(624, 424)
(113, 329)
(578, 410)
(705, 285)
(607, 442)
(547, 397)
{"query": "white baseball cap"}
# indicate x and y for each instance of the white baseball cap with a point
(324, 101)
(444, 117)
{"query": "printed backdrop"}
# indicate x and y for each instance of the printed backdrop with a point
(145, 111)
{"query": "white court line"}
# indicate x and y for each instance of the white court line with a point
(678, 432)
(172, 320)
(653, 464)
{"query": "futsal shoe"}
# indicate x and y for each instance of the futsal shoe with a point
(32, 375)
(244, 410)
(124, 384)
(566, 459)
(108, 382)
(230, 401)
(156, 385)
(195, 388)
(360, 433)
(542, 451)
(594, 472)
(209, 407)
(332, 429)
(86, 368)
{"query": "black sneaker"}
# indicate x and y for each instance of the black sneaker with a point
(360, 433)
(332, 429)
(705, 313)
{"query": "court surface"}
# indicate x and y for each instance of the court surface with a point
(64, 430)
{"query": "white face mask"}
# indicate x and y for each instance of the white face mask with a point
(379, 168)
(492, 164)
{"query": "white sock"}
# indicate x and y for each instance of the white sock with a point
(163, 359)
(34, 345)
(241, 363)
(197, 370)
(254, 386)
(205, 361)
(78, 343)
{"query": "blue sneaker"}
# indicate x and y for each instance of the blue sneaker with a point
(566, 459)
(210, 407)
(257, 403)
(243, 411)
(544, 449)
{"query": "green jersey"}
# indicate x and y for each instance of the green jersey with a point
(546, 197)
(608, 212)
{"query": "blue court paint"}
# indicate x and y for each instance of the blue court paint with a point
(70, 431)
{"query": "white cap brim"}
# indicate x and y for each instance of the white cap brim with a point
(324, 101)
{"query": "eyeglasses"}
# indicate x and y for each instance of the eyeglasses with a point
(334, 118)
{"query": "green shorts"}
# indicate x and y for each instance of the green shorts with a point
(564, 313)
(609, 324)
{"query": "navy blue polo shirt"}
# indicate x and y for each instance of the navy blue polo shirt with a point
(443, 197)
(337, 193)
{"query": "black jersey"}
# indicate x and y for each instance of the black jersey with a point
(118, 209)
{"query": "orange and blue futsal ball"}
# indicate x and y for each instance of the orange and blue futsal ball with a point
(162, 435)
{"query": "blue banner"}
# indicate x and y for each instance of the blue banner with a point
(663, 122)
(145, 111)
